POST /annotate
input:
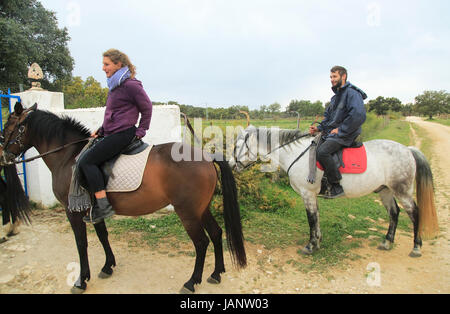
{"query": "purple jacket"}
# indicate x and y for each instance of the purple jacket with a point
(123, 106)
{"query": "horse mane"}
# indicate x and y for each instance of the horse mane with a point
(47, 125)
(285, 136)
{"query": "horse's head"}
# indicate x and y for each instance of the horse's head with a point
(14, 140)
(245, 150)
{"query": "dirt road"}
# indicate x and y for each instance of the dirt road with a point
(42, 258)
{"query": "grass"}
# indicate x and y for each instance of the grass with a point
(440, 120)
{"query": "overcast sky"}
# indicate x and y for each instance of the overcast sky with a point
(257, 52)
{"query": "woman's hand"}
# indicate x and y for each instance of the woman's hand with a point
(97, 133)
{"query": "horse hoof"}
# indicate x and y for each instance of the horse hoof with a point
(307, 251)
(3, 239)
(385, 246)
(185, 290)
(213, 280)
(415, 253)
(103, 275)
(77, 290)
(13, 233)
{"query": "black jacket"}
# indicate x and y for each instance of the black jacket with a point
(345, 112)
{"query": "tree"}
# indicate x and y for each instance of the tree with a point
(29, 33)
(274, 108)
(306, 108)
(408, 110)
(379, 105)
(79, 94)
(431, 103)
(382, 105)
(394, 104)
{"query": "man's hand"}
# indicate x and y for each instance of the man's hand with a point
(94, 134)
(313, 130)
(334, 131)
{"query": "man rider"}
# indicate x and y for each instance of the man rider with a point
(342, 124)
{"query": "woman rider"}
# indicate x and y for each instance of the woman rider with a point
(126, 100)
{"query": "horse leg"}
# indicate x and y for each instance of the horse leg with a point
(13, 227)
(102, 234)
(413, 212)
(197, 234)
(312, 212)
(5, 224)
(79, 230)
(388, 200)
(215, 233)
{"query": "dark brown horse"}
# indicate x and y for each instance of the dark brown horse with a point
(187, 185)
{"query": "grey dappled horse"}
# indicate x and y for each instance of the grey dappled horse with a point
(391, 171)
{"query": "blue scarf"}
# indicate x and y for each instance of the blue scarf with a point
(118, 78)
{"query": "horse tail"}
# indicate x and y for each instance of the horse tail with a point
(16, 201)
(231, 213)
(428, 222)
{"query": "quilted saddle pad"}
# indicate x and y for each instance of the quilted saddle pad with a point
(128, 171)
(354, 160)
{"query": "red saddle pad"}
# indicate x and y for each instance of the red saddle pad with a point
(355, 160)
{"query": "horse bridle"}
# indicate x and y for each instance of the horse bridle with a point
(249, 151)
(256, 156)
(8, 158)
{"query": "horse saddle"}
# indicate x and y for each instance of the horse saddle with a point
(351, 159)
(124, 172)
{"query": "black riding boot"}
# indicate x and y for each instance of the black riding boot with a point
(335, 191)
(100, 211)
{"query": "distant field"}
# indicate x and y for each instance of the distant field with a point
(441, 121)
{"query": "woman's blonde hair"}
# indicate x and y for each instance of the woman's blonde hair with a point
(117, 56)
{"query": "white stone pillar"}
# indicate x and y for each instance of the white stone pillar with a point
(39, 177)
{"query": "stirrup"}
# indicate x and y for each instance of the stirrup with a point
(88, 217)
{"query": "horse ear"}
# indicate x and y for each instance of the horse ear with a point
(33, 108)
(18, 108)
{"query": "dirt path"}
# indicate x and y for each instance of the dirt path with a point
(43, 258)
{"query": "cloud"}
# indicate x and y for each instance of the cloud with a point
(257, 52)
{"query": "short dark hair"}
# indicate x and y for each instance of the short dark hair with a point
(339, 69)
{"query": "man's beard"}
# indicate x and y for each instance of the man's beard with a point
(338, 84)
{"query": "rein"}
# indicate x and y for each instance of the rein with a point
(49, 152)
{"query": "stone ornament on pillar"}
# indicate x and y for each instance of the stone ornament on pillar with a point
(35, 74)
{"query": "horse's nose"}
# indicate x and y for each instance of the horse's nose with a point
(2, 157)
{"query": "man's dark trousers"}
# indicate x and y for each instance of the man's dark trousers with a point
(324, 156)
